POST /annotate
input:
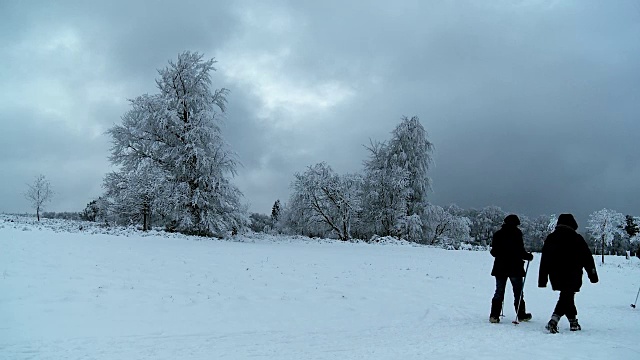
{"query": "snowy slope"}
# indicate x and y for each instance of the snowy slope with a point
(86, 295)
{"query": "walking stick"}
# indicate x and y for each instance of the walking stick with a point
(634, 304)
(521, 292)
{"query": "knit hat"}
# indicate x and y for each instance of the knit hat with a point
(568, 220)
(512, 220)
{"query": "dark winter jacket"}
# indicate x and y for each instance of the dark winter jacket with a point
(508, 249)
(564, 255)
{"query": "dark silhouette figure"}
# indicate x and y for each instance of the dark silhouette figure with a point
(508, 249)
(564, 255)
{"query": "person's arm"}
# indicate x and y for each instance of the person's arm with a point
(496, 245)
(524, 254)
(543, 273)
(587, 260)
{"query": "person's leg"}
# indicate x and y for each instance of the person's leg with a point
(558, 312)
(561, 305)
(570, 304)
(518, 298)
(498, 298)
(571, 310)
(516, 284)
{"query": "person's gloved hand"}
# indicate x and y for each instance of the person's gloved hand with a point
(529, 256)
(593, 276)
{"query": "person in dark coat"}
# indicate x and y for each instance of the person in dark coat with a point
(508, 249)
(564, 255)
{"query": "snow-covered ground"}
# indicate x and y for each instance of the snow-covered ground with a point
(67, 293)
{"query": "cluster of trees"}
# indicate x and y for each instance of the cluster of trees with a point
(607, 231)
(611, 232)
(64, 215)
(387, 198)
(449, 226)
(174, 170)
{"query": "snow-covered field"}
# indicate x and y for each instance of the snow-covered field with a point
(67, 293)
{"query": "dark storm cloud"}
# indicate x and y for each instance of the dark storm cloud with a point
(532, 105)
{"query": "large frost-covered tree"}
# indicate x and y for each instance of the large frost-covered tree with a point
(320, 196)
(39, 193)
(396, 181)
(178, 132)
(385, 192)
(409, 149)
(604, 225)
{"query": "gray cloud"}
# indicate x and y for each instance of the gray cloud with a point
(532, 105)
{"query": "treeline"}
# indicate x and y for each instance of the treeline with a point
(620, 233)
(449, 226)
(175, 168)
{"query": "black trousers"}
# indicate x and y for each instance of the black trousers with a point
(566, 305)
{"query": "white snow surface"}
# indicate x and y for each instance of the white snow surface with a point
(97, 293)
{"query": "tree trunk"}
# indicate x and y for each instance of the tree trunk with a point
(603, 248)
(38, 213)
(145, 221)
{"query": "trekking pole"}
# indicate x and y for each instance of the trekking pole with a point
(521, 292)
(634, 304)
(502, 309)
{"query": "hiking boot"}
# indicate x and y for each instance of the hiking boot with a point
(523, 315)
(496, 307)
(573, 325)
(552, 326)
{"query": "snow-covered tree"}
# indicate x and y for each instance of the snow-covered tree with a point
(275, 211)
(444, 226)
(91, 211)
(385, 191)
(552, 222)
(485, 222)
(635, 239)
(39, 193)
(396, 183)
(456, 210)
(292, 221)
(136, 195)
(321, 196)
(260, 222)
(178, 132)
(604, 225)
(410, 227)
(535, 231)
(410, 150)
(631, 226)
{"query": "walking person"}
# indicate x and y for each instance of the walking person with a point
(564, 255)
(508, 250)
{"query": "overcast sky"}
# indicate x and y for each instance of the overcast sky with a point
(533, 106)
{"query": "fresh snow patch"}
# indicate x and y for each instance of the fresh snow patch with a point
(75, 290)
